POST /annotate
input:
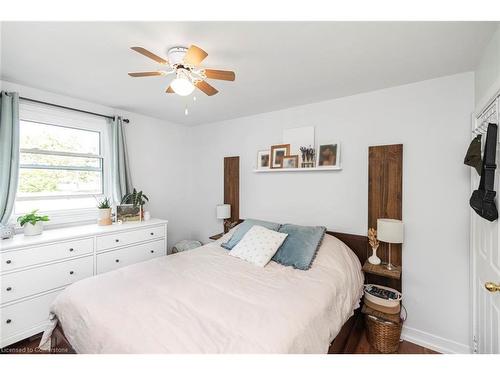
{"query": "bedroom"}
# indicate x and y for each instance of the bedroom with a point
(248, 187)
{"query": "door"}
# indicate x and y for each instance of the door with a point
(486, 266)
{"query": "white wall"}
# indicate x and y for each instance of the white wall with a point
(155, 151)
(432, 120)
(487, 73)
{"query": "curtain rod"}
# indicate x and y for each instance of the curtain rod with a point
(125, 120)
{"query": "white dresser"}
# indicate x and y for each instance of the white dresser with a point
(33, 270)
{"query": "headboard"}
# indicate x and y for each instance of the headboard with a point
(358, 244)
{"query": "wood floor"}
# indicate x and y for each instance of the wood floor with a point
(405, 347)
(29, 346)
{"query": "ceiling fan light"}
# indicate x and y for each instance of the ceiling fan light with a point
(182, 86)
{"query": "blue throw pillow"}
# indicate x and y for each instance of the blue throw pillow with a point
(300, 246)
(244, 227)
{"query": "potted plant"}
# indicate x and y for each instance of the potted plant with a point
(104, 207)
(136, 198)
(32, 223)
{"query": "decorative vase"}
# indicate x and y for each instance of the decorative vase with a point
(33, 230)
(104, 216)
(374, 259)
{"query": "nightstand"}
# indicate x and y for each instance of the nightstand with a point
(383, 329)
(215, 237)
(380, 270)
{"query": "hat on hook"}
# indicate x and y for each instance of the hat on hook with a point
(473, 156)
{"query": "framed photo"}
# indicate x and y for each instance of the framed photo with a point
(263, 159)
(328, 155)
(278, 152)
(128, 212)
(291, 161)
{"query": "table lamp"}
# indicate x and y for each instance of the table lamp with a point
(224, 213)
(390, 231)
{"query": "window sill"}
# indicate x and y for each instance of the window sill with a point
(61, 219)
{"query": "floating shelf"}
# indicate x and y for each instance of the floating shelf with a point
(395, 318)
(380, 270)
(315, 169)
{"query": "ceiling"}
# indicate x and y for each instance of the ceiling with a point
(277, 64)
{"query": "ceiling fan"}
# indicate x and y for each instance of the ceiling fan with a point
(184, 63)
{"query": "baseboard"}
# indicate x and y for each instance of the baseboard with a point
(430, 341)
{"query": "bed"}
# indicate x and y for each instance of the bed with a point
(204, 301)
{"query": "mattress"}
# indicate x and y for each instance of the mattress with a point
(204, 301)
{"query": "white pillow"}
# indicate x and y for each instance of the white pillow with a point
(258, 245)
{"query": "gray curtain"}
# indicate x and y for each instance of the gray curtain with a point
(120, 174)
(9, 152)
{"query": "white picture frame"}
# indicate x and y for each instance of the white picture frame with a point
(328, 155)
(261, 159)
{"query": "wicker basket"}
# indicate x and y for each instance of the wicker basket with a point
(383, 335)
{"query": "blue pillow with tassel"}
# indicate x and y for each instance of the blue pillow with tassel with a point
(300, 246)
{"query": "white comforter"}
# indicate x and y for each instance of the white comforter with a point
(204, 301)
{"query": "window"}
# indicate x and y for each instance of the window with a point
(62, 159)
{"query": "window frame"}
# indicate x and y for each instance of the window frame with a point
(53, 116)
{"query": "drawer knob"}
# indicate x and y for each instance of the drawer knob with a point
(152, 251)
(8, 321)
(8, 261)
(152, 233)
(71, 249)
(71, 272)
(117, 260)
(117, 240)
(9, 289)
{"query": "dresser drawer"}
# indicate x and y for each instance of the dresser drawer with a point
(110, 241)
(23, 316)
(11, 260)
(123, 257)
(25, 283)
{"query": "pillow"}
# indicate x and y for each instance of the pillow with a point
(244, 227)
(227, 236)
(258, 245)
(300, 247)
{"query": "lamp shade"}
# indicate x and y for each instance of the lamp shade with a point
(390, 230)
(223, 211)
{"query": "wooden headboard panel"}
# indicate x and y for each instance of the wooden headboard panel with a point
(358, 244)
(232, 186)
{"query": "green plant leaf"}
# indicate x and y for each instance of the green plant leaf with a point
(31, 218)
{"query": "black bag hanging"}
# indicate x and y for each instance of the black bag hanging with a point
(483, 199)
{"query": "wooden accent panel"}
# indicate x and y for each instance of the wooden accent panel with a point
(232, 185)
(385, 198)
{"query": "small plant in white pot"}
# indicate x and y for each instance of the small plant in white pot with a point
(104, 207)
(32, 223)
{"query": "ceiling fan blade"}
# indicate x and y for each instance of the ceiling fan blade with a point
(169, 90)
(206, 88)
(194, 55)
(225, 75)
(149, 54)
(144, 74)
